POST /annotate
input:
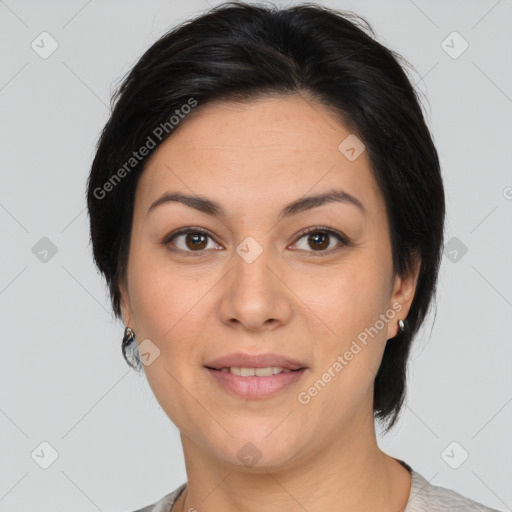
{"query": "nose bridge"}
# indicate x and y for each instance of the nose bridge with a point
(254, 295)
(252, 260)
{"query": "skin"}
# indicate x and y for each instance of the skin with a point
(253, 159)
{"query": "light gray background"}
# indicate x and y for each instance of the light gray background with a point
(64, 380)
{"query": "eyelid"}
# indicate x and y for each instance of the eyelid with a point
(323, 229)
(344, 241)
(187, 229)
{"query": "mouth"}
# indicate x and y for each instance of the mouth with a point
(257, 372)
(255, 383)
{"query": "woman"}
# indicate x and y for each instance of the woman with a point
(267, 208)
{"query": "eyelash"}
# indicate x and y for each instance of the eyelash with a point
(320, 229)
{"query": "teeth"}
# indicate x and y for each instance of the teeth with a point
(259, 372)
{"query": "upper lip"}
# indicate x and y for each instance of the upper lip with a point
(240, 360)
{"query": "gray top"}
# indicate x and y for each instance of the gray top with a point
(424, 497)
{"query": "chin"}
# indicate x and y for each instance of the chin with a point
(256, 451)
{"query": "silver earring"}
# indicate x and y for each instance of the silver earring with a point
(401, 326)
(128, 337)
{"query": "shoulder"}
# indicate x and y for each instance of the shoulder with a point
(426, 497)
(165, 503)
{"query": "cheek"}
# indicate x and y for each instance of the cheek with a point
(345, 300)
(162, 294)
(173, 307)
(344, 309)
(171, 310)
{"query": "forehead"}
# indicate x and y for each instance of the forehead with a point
(268, 149)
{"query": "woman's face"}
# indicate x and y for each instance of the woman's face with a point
(253, 283)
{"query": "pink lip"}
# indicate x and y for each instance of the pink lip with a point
(241, 360)
(255, 387)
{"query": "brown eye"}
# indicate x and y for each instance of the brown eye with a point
(195, 241)
(319, 240)
(190, 240)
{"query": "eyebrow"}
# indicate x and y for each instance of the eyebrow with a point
(210, 207)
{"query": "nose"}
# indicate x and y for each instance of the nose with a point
(255, 294)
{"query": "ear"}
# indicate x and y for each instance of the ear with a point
(403, 294)
(125, 305)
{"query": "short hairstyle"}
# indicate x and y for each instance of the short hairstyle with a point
(239, 52)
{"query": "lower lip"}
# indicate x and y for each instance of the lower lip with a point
(256, 387)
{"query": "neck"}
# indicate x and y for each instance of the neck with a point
(350, 470)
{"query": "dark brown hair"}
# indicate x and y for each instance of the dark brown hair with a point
(238, 52)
